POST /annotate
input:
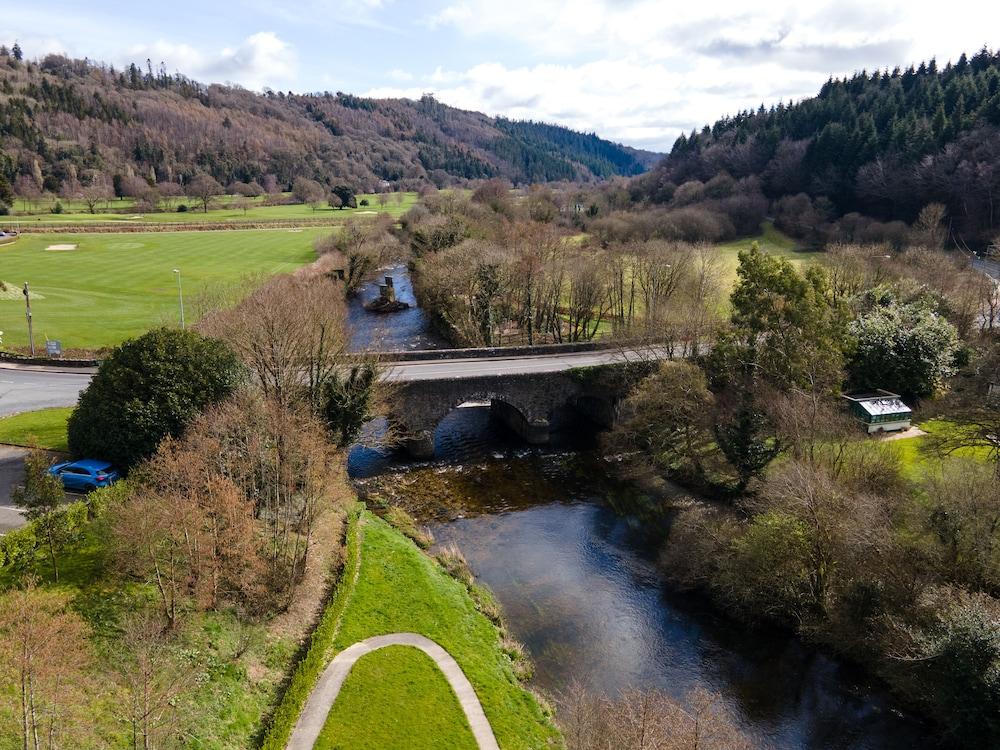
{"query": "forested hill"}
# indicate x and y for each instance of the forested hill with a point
(62, 119)
(882, 144)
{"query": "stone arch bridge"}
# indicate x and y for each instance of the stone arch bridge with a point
(522, 389)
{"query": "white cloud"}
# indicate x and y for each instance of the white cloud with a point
(262, 59)
(642, 71)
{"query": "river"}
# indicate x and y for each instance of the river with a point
(580, 585)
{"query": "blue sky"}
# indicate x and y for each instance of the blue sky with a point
(635, 71)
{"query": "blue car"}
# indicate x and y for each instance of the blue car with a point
(85, 475)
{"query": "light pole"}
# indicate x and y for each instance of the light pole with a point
(180, 295)
(27, 314)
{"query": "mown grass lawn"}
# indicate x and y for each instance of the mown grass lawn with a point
(116, 286)
(916, 458)
(221, 210)
(45, 428)
(396, 698)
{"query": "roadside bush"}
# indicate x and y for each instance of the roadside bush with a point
(147, 389)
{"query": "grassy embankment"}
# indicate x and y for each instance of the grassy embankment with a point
(45, 428)
(222, 210)
(396, 698)
(112, 286)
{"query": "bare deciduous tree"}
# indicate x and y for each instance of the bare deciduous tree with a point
(43, 656)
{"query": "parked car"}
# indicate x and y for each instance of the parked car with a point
(85, 475)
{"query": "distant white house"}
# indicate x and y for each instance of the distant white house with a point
(880, 411)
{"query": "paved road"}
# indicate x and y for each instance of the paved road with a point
(990, 267)
(520, 365)
(11, 475)
(321, 700)
(25, 388)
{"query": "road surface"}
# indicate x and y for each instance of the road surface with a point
(27, 389)
(24, 388)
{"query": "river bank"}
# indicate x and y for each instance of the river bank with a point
(559, 542)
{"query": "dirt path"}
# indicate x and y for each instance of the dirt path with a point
(314, 713)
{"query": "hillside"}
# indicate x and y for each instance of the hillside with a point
(882, 144)
(63, 119)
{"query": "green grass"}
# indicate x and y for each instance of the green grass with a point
(770, 240)
(396, 699)
(401, 590)
(239, 667)
(916, 458)
(222, 210)
(45, 428)
(117, 286)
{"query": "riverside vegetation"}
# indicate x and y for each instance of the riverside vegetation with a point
(886, 554)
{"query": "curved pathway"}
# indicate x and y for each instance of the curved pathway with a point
(320, 701)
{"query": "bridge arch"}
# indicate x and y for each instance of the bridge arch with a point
(524, 402)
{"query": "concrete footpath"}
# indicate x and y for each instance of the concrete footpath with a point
(318, 705)
(11, 475)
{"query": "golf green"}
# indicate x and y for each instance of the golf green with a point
(96, 290)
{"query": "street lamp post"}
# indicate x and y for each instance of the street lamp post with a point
(180, 295)
(27, 314)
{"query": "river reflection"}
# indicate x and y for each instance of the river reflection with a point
(580, 587)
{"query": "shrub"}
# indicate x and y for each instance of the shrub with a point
(907, 349)
(958, 660)
(147, 389)
(182, 208)
(58, 208)
(768, 573)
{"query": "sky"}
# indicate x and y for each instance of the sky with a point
(637, 72)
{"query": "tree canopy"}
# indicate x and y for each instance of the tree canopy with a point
(147, 389)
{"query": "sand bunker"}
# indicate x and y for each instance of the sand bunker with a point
(12, 292)
(61, 247)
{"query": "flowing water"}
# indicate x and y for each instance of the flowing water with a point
(581, 588)
(390, 332)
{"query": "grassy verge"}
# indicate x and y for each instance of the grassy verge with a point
(402, 590)
(45, 428)
(380, 685)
